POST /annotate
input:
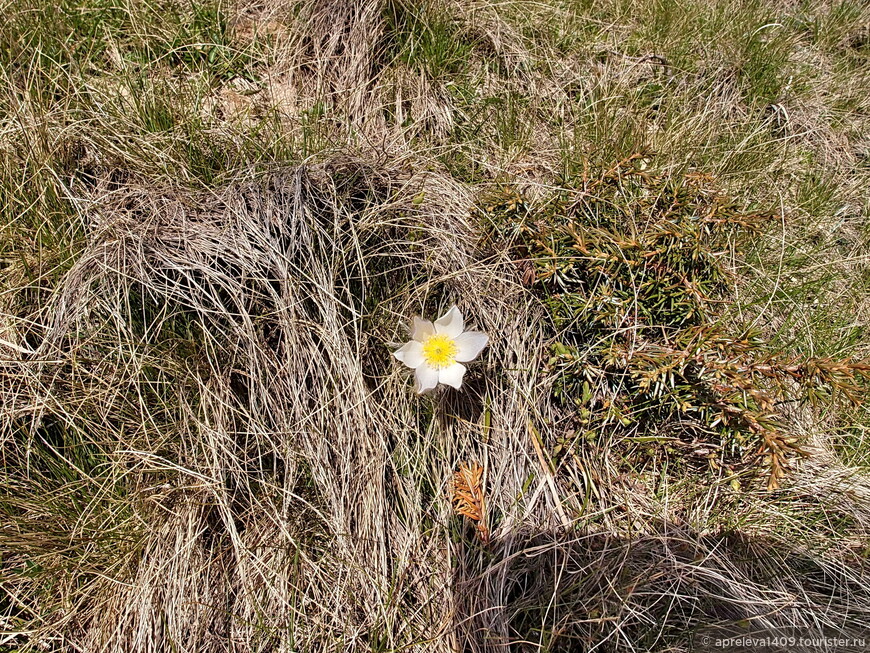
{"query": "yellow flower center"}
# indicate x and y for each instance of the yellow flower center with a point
(439, 351)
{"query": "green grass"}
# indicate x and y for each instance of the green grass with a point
(425, 38)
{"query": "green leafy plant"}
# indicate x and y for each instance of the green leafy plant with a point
(635, 270)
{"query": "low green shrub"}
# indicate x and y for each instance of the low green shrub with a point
(636, 271)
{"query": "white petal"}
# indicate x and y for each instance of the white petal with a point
(427, 378)
(411, 354)
(469, 345)
(452, 375)
(450, 323)
(422, 329)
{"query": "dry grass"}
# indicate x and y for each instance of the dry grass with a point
(216, 227)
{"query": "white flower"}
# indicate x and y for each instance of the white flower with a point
(436, 351)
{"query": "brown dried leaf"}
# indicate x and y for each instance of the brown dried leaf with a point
(468, 499)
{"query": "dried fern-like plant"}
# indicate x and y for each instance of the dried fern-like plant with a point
(468, 498)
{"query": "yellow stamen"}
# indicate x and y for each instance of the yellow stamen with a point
(439, 351)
